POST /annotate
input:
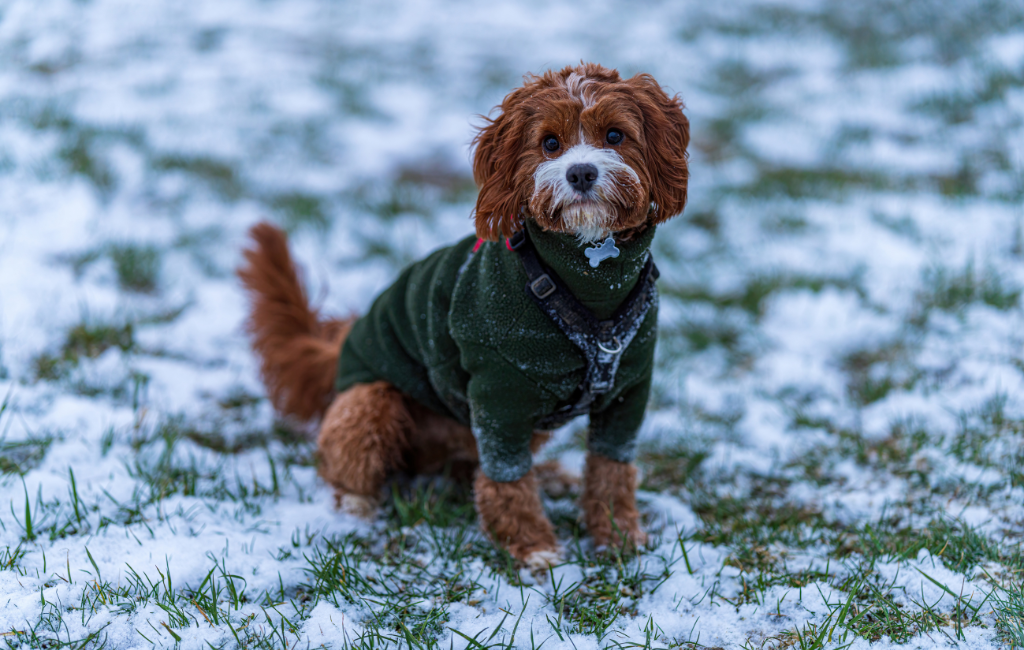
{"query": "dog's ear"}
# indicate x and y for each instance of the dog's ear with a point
(667, 134)
(495, 165)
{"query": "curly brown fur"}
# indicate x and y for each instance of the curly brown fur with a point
(577, 105)
(438, 443)
(363, 437)
(554, 480)
(298, 352)
(609, 503)
(511, 513)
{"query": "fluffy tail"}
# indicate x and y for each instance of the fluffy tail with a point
(298, 351)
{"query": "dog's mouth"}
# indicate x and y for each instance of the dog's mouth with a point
(590, 219)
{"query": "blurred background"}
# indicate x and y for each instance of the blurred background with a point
(843, 290)
(864, 158)
(138, 142)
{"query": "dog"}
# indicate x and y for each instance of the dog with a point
(478, 350)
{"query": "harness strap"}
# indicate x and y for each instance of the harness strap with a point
(601, 342)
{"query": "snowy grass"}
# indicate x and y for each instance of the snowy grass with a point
(833, 452)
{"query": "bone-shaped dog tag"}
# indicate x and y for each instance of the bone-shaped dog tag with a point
(600, 253)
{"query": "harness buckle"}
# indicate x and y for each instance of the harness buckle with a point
(543, 286)
(516, 240)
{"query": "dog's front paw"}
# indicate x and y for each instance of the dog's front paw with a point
(618, 539)
(609, 504)
(512, 515)
(356, 505)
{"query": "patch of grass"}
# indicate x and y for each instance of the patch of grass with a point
(752, 297)
(219, 176)
(989, 437)
(664, 469)
(738, 79)
(80, 155)
(875, 372)
(897, 537)
(784, 224)
(164, 462)
(215, 601)
(88, 340)
(406, 598)
(609, 590)
(418, 188)
(757, 522)
(18, 457)
(218, 442)
(1009, 609)
(904, 226)
(10, 558)
(434, 503)
(871, 611)
(873, 31)
(452, 185)
(891, 453)
(761, 529)
(955, 289)
(701, 336)
(301, 210)
(959, 106)
(721, 138)
(350, 95)
(962, 182)
(707, 220)
(760, 19)
(82, 147)
(137, 266)
(200, 245)
(818, 182)
(79, 262)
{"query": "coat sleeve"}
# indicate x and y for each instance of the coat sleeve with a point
(504, 405)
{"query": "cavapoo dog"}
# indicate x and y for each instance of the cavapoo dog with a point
(478, 350)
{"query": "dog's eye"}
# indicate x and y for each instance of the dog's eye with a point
(551, 143)
(614, 136)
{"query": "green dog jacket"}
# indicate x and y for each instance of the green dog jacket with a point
(458, 333)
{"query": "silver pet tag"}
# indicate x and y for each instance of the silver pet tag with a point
(600, 253)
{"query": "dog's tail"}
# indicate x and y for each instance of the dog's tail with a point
(298, 351)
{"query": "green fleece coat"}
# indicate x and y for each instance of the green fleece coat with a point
(459, 334)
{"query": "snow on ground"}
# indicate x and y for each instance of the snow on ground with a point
(833, 452)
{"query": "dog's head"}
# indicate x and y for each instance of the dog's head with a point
(582, 151)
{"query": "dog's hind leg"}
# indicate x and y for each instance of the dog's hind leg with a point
(362, 438)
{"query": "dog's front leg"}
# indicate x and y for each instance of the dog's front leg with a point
(512, 514)
(609, 503)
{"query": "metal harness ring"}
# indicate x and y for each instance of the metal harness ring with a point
(617, 349)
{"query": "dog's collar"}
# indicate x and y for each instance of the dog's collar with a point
(601, 289)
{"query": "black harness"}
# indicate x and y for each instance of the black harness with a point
(601, 342)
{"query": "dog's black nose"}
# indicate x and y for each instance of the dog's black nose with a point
(581, 177)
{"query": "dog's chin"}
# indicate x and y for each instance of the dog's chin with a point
(590, 221)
